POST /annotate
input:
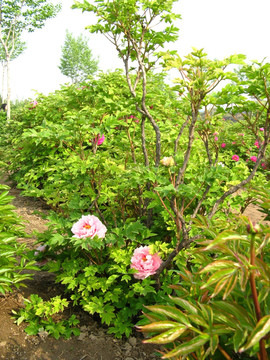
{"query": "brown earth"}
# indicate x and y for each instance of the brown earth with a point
(93, 343)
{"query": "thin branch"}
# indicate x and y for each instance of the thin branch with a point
(179, 135)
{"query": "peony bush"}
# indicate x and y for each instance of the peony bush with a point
(128, 164)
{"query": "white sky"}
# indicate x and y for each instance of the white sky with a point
(222, 28)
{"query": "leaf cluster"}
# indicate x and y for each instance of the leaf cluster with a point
(42, 319)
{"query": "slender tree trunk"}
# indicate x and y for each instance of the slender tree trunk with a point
(8, 87)
(3, 83)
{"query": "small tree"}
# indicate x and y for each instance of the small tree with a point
(77, 61)
(16, 17)
(19, 48)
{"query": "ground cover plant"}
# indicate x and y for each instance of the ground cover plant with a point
(14, 257)
(129, 164)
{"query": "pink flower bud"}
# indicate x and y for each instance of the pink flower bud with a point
(167, 161)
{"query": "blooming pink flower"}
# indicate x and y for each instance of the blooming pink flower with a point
(134, 117)
(215, 133)
(257, 144)
(235, 157)
(223, 145)
(39, 249)
(99, 139)
(253, 158)
(88, 226)
(233, 143)
(145, 263)
(216, 138)
(261, 129)
(33, 104)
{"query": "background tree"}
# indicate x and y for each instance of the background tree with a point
(77, 61)
(19, 48)
(16, 17)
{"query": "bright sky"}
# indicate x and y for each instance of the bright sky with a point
(222, 28)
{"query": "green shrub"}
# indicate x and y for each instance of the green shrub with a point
(14, 257)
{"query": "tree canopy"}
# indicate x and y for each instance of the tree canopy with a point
(77, 61)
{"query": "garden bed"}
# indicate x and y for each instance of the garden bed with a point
(93, 342)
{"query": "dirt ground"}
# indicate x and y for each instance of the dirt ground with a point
(93, 343)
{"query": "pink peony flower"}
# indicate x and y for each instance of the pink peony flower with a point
(257, 144)
(253, 158)
(223, 145)
(145, 263)
(99, 140)
(261, 129)
(88, 226)
(134, 117)
(40, 249)
(235, 157)
(216, 138)
(33, 104)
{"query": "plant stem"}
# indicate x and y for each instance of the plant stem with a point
(223, 352)
(263, 354)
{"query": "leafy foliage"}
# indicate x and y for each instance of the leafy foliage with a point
(215, 309)
(77, 60)
(148, 160)
(14, 257)
(42, 319)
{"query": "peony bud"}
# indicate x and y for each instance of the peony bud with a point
(167, 161)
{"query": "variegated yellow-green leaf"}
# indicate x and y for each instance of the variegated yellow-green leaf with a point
(214, 340)
(225, 237)
(239, 337)
(158, 326)
(188, 347)
(219, 265)
(261, 329)
(234, 312)
(167, 336)
(185, 304)
(217, 276)
(170, 312)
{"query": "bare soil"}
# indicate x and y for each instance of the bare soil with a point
(93, 343)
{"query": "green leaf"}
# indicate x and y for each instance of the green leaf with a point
(262, 328)
(214, 340)
(238, 338)
(185, 304)
(167, 336)
(158, 326)
(188, 347)
(225, 237)
(170, 312)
